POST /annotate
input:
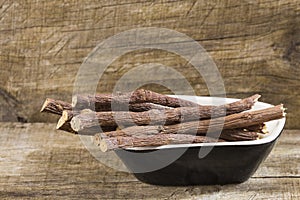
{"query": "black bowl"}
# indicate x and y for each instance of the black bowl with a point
(180, 165)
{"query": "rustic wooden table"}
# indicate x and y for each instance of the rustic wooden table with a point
(39, 162)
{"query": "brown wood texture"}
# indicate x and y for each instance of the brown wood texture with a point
(234, 121)
(55, 106)
(255, 45)
(64, 121)
(167, 117)
(39, 162)
(103, 101)
(241, 134)
(112, 143)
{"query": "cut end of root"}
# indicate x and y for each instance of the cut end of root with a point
(45, 105)
(60, 122)
(75, 124)
(260, 136)
(283, 110)
(64, 115)
(264, 129)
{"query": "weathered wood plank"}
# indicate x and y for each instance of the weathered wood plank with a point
(272, 188)
(37, 161)
(43, 43)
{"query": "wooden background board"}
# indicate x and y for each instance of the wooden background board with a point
(255, 44)
(38, 162)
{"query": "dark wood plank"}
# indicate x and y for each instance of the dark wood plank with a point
(43, 43)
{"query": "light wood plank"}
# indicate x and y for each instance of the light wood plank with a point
(37, 161)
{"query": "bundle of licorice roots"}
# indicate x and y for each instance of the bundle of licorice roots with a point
(144, 118)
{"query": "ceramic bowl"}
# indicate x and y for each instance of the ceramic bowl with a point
(180, 165)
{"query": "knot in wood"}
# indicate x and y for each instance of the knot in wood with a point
(160, 129)
(247, 115)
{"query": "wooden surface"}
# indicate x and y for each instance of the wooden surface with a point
(255, 44)
(38, 162)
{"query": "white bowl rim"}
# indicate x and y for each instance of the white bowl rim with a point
(274, 127)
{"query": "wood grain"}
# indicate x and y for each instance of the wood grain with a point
(39, 162)
(255, 44)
